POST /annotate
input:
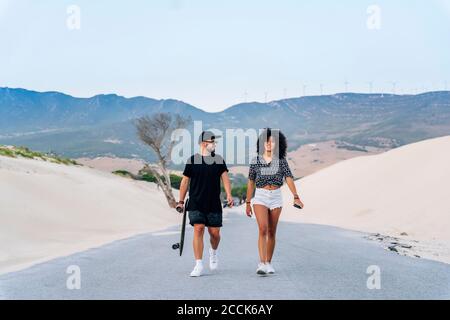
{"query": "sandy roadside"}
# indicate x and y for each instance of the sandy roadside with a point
(49, 210)
(402, 194)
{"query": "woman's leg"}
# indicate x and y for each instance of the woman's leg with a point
(262, 217)
(274, 216)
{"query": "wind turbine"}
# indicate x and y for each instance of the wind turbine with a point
(346, 85)
(304, 90)
(394, 86)
(321, 89)
(370, 83)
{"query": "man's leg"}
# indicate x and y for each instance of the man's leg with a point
(197, 220)
(199, 230)
(214, 237)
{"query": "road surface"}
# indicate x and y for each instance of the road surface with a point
(312, 262)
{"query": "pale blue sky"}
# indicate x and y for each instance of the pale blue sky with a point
(209, 53)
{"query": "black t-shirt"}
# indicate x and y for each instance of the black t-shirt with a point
(204, 189)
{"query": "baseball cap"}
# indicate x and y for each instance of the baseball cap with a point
(207, 136)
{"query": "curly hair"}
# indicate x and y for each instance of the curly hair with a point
(280, 142)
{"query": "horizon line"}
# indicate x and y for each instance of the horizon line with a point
(240, 103)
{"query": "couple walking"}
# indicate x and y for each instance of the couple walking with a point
(268, 170)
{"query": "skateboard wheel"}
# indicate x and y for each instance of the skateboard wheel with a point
(175, 246)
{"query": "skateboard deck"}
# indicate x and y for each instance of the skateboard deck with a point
(179, 245)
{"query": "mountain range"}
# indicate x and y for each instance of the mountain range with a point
(103, 124)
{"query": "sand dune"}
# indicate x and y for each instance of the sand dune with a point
(48, 210)
(405, 190)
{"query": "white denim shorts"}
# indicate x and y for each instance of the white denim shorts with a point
(270, 198)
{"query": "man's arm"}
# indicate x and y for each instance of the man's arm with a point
(184, 184)
(227, 186)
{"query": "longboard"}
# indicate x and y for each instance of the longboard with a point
(179, 245)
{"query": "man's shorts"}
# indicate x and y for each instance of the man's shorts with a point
(211, 219)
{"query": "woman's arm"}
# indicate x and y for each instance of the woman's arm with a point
(250, 189)
(291, 184)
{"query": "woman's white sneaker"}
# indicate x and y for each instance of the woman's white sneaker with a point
(261, 270)
(269, 268)
(198, 270)
(213, 259)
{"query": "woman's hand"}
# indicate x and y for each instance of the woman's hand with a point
(248, 209)
(298, 202)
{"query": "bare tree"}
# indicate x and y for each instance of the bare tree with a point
(155, 131)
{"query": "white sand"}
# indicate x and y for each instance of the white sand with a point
(403, 190)
(49, 210)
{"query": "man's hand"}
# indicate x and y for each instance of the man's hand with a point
(230, 201)
(180, 207)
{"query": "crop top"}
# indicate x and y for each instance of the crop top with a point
(272, 173)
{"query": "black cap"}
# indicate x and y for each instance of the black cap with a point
(207, 136)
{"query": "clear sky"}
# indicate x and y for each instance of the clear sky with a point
(214, 54)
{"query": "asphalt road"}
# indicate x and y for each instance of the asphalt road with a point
(312, 262)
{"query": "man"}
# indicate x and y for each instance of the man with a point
(202, 174)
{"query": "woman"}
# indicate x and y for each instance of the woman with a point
(267, 172)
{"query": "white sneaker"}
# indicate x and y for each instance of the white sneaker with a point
(262, 270)
(269, 268)
(213, 259)
(198, 270)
